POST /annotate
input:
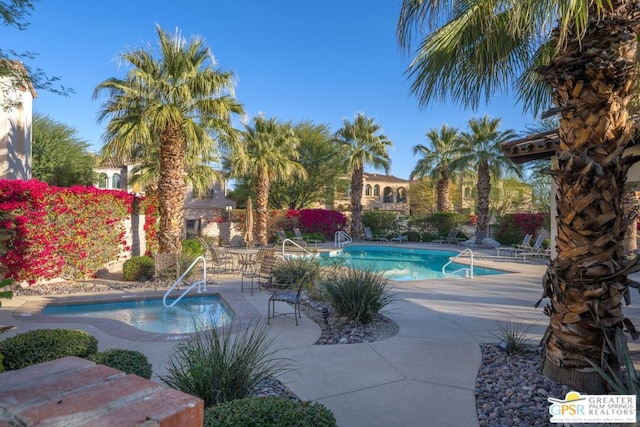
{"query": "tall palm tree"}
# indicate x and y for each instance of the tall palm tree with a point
(437, 163)
(482, 152)
(266, 153)
(167, 108)
(362, 146)
(582, 57)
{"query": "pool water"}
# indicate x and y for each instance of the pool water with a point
(401, 264)
(151, 316)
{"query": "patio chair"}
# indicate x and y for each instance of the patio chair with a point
(451, 238)
(299, 237)
(221, 258)
(534, 250)
(165, 268)
(477, 241)
(374, 237)
(514, 248)
(368, 235)
(289, 295)
(263, 276)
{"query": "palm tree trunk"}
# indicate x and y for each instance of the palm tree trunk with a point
(356, 203)
(593, 83)
(443, 194)
(484, 191)
(262, 202)
(172, 189)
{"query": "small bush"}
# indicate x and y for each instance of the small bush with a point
(358, 294)
(514, 336)
(269, 412)
(127, 361)
(192, 247)
(216, 368)
(43, 345)
(413, 236)
(292, 270)
(1, 366)
(138, 268)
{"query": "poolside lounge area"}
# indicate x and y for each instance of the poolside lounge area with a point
(426, 372)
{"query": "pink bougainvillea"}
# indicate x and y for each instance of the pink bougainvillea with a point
(63, 231)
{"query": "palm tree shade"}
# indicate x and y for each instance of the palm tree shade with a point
(163, 114)
(580, 58)
(362, 145)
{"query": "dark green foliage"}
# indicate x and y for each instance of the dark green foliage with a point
(443, 222)
(429, 237)
(357, 294)
(380, 222)
(292, 270)
(413, 236)
(217, 368)
(43, 345)
(5, 294)
(269, 412)
(1, 366)
(127, 361)
(138, 268)
(192, 247)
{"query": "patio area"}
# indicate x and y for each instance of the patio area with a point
(427, 371)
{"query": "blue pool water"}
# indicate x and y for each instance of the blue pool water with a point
(399, 264)
(151, 316)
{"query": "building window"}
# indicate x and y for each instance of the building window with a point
(376, 190)
(115, 180)
(347, 191)
(467, 192)
(367, 190)
(388, 195)
(102, 180)
(401, 196)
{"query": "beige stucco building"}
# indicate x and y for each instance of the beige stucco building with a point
(16, 103)
(379, 192)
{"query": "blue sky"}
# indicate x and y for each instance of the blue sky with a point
(295, 60)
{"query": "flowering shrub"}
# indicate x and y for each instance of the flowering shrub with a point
(323, 221)
(69, 232)
(512, 227)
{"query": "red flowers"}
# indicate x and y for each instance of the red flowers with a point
(73, 230)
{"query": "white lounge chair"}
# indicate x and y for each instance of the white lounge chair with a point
(514, 248)
(451, 238)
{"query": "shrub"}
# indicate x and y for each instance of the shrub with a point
(513, 335)
(269, 412)
(444, 222)
(192, 247)
(379, 222)
(292, 270)
(358, 294)
(1, 367)
(216, 368)
(43, 345)
(413, 236)
(511, 228)
(138, 268)
(127, 361)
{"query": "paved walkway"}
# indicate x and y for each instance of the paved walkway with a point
(425, 375)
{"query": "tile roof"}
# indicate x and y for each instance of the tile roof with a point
(538, 146)
(383, 178)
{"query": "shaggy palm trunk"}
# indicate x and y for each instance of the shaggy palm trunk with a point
(484, 190)
(262, 201)
(443, 203)
(593, 82)
(172, 189)
(356, 203)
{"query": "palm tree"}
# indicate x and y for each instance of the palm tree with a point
(581, 56)
(362, 146)
(266, 153)
(482, 152)
(437, 162)
(164, 113)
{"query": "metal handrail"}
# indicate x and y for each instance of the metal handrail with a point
(467, 270)
(291, 241)
(338, 242)
(201, 284)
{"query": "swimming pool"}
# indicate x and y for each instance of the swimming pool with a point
(150, 314)
(401, 264)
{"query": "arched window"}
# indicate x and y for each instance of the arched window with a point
(347, 191)
(367, 190)
(388, 195)
(376, 190)
(102, 180)
(467, 192)
(401, 195)
(115, 180)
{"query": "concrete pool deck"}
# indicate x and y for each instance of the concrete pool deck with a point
(425, 375)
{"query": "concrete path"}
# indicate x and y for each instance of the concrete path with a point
(424, 376)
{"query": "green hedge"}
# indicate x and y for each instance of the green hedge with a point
(127, 361)
(138, 268)
(43, 345)
(268, 412)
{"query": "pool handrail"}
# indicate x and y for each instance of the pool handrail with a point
(467, 270)
(201, 284)
(341, 238)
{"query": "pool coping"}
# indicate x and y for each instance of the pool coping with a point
(245, 314)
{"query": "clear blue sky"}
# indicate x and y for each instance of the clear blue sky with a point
(293, 59)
